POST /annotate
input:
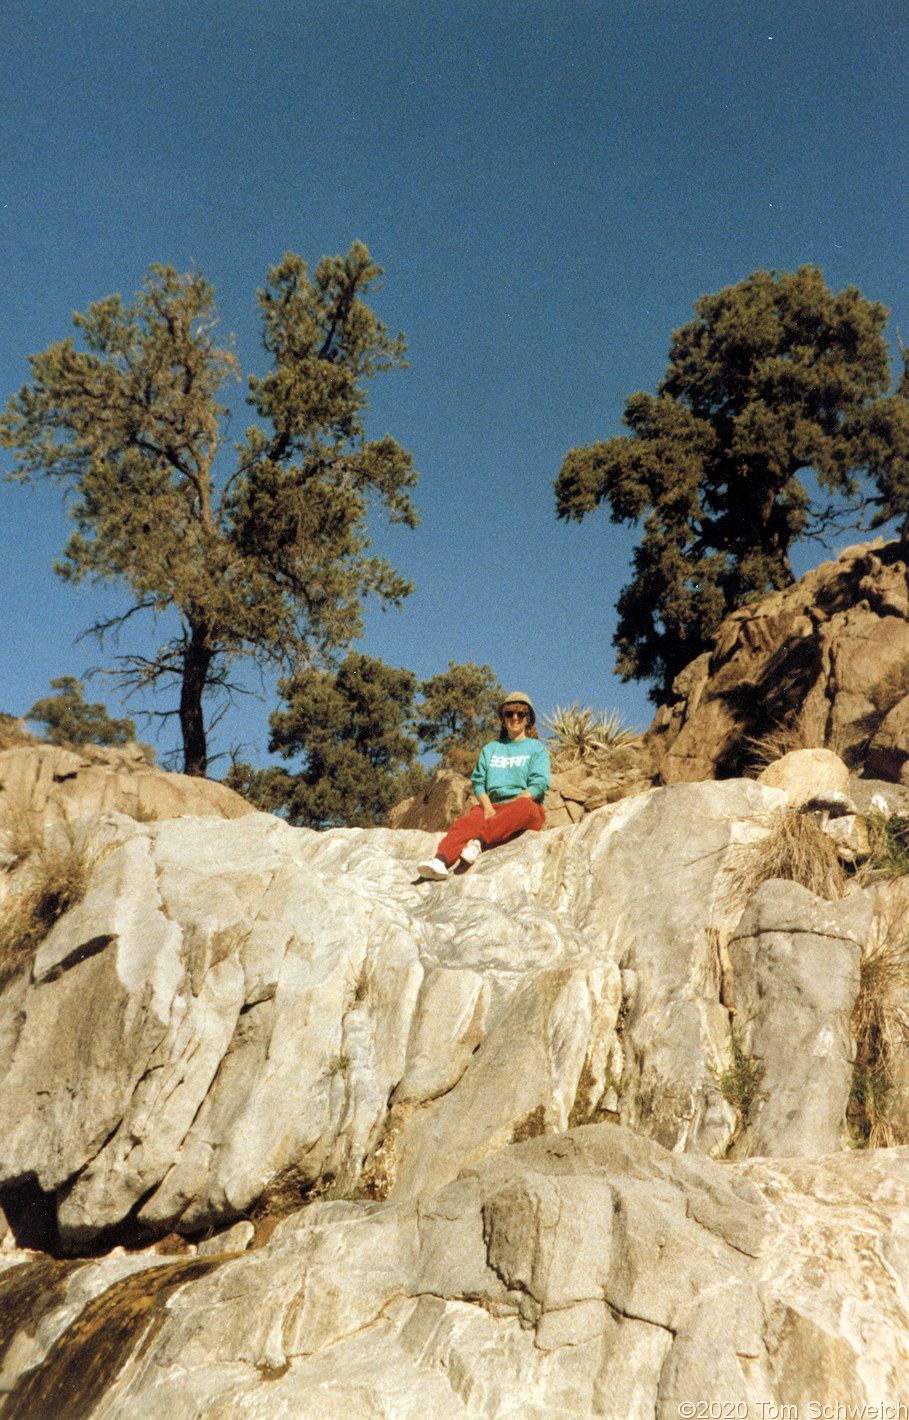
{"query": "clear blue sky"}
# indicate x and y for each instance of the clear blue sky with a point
(549, 188)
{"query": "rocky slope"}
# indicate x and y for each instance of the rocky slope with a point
(377, 1147)
(825, 663)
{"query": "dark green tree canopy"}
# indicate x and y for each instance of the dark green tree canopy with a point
(262, 554)
(352, 727)
(458, 710)
(69, 719)
(774, 376)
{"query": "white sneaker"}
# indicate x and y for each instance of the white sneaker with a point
(471, 851)
(435, 869)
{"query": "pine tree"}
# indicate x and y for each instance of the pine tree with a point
(262, 555)
(774, 376)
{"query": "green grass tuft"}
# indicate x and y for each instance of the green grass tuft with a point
(740, 1082)
(888, 838)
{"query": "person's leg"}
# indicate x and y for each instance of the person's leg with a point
(510, 819)
(468, 826)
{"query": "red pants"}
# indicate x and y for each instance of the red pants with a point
(510, 819)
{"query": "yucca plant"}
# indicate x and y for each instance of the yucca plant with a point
(580, 731)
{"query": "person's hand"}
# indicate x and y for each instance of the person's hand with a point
(488, 807)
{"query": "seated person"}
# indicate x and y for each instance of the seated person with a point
(510, 782)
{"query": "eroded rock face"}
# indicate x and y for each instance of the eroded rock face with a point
(239, 1009)
(810, 656)
(795, 962)
(590, 1273)
(231, 1010)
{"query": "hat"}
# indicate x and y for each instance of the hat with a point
(518, 697)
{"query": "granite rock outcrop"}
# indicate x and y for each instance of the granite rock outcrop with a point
(285, 1130)
(823, 663)
(49, 783)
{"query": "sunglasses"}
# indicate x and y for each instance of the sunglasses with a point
(515, 714)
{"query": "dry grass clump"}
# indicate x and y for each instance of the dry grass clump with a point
(794, 849)
(13, 732)
(781, 739)
(21, 831)
(54, 878)
(880, 1026)
(892, 687)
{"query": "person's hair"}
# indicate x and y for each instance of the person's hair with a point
(531, 731)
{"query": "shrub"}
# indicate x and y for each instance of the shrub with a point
(55, 877)
(69, 720)
(740, 1082)
(888, 839)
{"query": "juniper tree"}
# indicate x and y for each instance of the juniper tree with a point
(357, 730)
(261, 552)
(774, 376)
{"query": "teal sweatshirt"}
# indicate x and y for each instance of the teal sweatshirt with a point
(505, 770)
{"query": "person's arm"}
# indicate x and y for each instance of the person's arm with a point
(539, 774)
(478, 783)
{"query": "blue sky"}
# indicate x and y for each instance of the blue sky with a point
(549, 189)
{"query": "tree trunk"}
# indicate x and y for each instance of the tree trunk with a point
(197, 659)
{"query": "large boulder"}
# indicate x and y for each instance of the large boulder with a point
(447, 795)
(449, 1148)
